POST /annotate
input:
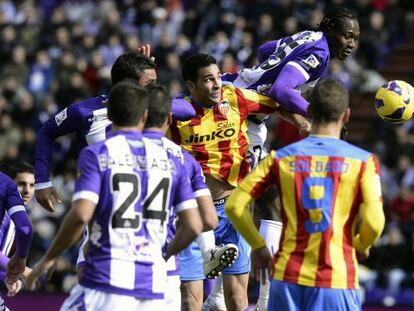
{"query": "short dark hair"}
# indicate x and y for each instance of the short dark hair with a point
(329, 99)
(335, 18)
(127, 103)
(18, 168)
(159, 105)
(193, 63)
(130, 65)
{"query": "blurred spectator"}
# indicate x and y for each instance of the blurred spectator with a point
(391, 260)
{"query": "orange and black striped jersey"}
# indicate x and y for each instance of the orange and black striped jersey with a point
(219, 141)
(323, 184)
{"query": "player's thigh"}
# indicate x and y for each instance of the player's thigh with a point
(173, 294)
(235, 285)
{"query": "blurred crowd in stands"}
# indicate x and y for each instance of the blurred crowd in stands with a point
(55, 52)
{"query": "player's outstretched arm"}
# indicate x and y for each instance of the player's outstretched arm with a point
(301, 123)
(283, 90)
(69, 233)
(64, 122)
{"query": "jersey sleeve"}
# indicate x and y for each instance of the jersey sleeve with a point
(184, 197)
(251, 102)
(283, 90)
(88, 184)
(197, 178)
(14, 202)
(182, 109)
(259, 180)
(17, 212)
(62, 123)
(310, 63)
(370, 208)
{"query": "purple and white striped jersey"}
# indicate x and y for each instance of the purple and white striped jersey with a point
(307, 51)
(88, 119)
(136, 186)
(197, 180)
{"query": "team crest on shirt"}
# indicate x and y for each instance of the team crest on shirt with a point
(224, 108)
(311, 61)
(61, 116)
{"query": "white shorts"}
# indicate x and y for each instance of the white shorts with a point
(173, 294)
(257, 136)
(83, 298)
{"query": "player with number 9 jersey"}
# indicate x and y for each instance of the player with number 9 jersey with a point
(135, 183)
(327, 186)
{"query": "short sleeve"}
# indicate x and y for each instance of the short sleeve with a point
(184, 197)
(13, 200)
(197, 178)
(259, 180)
(88, 183)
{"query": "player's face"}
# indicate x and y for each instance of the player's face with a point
(207, 89)
(148, 76)
(25, 183)
(345, 40)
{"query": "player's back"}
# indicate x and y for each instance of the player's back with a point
(319, 181)
(138, 184)
(307, 50)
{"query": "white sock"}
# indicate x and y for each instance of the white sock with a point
(270, 230)
(217, 294)
(206, 241)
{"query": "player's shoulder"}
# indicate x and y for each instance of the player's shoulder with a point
(83, 108)
(5, 179)
(324, 146)
(6, 183)
(91, 102)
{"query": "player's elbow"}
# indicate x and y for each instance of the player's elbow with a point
(193, 226)
(25, 230)
(207, 212)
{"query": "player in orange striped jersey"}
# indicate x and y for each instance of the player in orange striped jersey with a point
(217, 139)
(325, 184)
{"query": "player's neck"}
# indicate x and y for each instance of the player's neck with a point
(156, 129)
(136, 128)
(328, 129)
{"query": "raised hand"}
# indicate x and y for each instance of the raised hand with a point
(146, 51)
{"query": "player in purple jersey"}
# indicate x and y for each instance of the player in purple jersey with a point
(127, 188)
(12, 204)
(88, 119)
(22, 174)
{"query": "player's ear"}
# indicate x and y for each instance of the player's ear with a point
(345, 117)
(190, 85)
(169, 119)
(144, 117)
